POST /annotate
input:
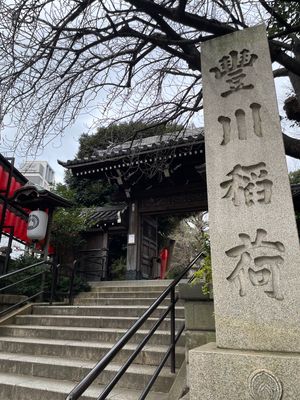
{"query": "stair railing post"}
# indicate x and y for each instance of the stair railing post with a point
(172, 331)
(54, 277)
(72, 278)
(42, 287)
(53, 282)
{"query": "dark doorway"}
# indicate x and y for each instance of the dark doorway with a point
(117, 244)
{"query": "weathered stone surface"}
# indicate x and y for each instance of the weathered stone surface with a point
(198, 338)
(40, 357)
(193, 291)
(220, 374)
(199, 315)
(255, 246)
(11, 298)
(179, 386)
(7, 300)
(194, 339)
(199, 318)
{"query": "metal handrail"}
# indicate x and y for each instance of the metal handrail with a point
(81, 387)
(21, 281)
(71, 290)
(98, 257)
(93, 272)
(3, 277)
(160, 366)
(40, 263)
(71, 276)
(20, 303)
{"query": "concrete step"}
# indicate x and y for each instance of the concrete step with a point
(91, 322)
(119, 301)
(89, 351)
(118, 294)
(125, 287)
(132, 283)
(127, 311)
(109, 335)
(43, 355)
(24, 387)
(136, 377)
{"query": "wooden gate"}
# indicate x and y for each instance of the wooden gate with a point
(149, 252)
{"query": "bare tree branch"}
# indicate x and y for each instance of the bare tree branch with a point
(280, 72)
(136, 59)
(292, 146)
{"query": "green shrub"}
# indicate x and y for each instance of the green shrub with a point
(118, 269)
(22, 262)
(204, 274)
(63, 287)
(32, 287)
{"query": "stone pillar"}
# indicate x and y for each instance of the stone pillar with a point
(133, 241)
(254, 240)
(199, 318)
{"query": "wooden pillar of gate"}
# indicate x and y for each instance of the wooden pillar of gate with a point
(133, 242)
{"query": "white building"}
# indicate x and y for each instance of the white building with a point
(38, 172)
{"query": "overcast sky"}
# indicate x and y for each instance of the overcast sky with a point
(65, 148)
(61, 148)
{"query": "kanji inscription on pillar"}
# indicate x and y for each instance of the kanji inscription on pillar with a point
(260, 262)
(254, 240)
(239, 119)
(248, 185)
(233, 67)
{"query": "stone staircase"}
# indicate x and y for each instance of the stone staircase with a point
(44, 354)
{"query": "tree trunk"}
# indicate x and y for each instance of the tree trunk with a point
(292, 146)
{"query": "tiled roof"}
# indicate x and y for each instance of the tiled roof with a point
(143, 145)
(32, 197)
(107, 214)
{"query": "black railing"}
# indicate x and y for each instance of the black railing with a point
(81, 387)
(72, 280)
(93, 263)
(46, 266)
(89, 265)
(65, 290)
(66, 271)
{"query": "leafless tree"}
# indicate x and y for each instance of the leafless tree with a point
(190, 236)
(126, 59)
